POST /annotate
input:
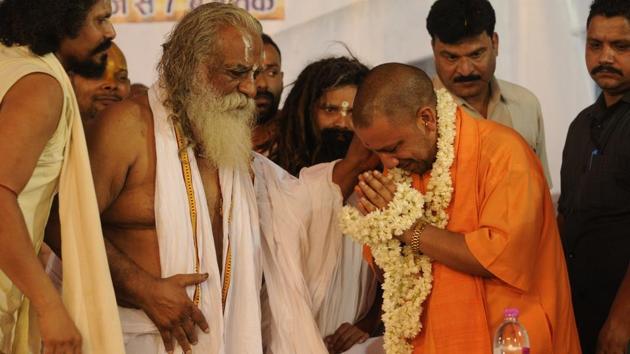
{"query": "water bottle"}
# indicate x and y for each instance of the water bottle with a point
(511, 337)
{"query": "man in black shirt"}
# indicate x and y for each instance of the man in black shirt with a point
(594, 206)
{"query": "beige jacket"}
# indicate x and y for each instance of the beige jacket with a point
(516, 107)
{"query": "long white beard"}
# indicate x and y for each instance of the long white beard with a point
(222, 126)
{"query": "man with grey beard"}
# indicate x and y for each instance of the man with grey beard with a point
(188, 232)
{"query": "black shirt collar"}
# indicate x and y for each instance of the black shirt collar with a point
(600, 104)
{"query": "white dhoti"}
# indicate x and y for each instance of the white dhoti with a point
(237, 328)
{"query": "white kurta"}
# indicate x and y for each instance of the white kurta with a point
(307, 262)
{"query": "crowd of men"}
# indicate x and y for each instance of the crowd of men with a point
(197, 216)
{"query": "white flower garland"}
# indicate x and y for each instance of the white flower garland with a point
(408, 275)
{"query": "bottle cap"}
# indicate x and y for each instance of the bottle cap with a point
(510, 312)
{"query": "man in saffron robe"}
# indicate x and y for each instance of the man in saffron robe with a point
(501, 246)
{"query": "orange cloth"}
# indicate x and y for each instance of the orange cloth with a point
(501, 204)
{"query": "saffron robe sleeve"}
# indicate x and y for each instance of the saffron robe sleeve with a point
(511, 218)
(301, 243)
(517, 240)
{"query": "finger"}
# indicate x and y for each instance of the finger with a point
(200, 320)
(612, 347)
(367, 206)
(327, 341)
(49, 349)
(191, 279)
(340, 334)
(374, 190)
(56, 349)
(603, 347)
(68, 349)
(167, 338)
(386, 181)
(346, 340)
(378, 185)
(359, 192)
(351, 339)
(65, 349)
(191, 332)
(361, 208)
(180, 335)
(372, 196)
(335, 344)
(77, 347)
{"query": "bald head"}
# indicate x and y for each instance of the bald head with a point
(392, 90)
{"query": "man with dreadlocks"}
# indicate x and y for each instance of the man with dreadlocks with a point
(315, 126)
(315, 122)
(42, 151)
(192, 217)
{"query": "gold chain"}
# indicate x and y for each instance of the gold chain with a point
(183, 157)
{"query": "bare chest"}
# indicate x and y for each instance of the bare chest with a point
(212, 188)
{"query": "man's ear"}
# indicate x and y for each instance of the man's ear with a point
(495, 43)
(426, 116)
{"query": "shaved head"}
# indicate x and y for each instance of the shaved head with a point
(392, 90)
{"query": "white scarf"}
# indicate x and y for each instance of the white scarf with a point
(237, 330)
(301, 245)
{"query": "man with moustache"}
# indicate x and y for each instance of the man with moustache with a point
(594, 215)
(268, 92)
(192, 217)
(465, 48)
(42, 151)
(500, 240)
(95, 92)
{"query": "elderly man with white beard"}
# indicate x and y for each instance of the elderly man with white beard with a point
(191, 216)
